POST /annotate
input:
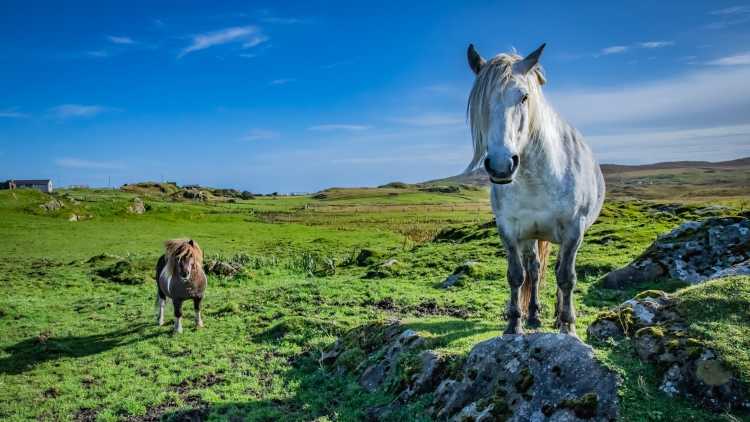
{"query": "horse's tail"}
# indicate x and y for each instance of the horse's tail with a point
(543, 254)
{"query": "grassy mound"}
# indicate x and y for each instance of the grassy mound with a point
(719, 312)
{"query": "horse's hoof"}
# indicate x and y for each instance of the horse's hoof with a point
(534, 322)
(160, 322)
(199, 324)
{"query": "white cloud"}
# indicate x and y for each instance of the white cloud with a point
(12, 113)
(260, 135)
(120, 40)
(281, 81)
(98, 53)
(615, 49)
(656, 44)
(736, 60)
(734, 10)
(705, 95)
(249, 36)
(283, 21)
(68, 111)
(338, 127)
(78, 163)
(432, 119)
(714, 143)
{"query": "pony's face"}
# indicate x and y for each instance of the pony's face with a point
(185, 267)
(507, 128)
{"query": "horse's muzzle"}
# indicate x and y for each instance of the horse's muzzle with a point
(501, 177)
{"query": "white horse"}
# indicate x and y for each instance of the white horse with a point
(546, 184)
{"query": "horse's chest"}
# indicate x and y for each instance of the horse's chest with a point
(176, 288)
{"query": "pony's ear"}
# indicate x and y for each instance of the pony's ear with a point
(529, 61)
(191, 243)
(475, 60)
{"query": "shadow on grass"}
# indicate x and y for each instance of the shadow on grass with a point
(28, 353)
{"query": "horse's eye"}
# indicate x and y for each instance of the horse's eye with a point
(524, 98)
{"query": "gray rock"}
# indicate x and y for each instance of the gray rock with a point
(604, 329)
(376, 374)
(52, 205)
(540, 377)
(137, 207)
(693, 252)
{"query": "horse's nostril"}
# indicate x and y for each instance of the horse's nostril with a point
(515, 159)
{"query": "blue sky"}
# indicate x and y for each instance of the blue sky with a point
(293, 97)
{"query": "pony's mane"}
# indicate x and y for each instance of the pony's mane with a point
(493, 76)
(175, 249)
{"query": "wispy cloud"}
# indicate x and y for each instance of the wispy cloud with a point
(69, 111)
(735, 60)
(98, 53)
(13, 113)
(248, 36)
(120, 40)
(691, 98)
(432, 119)
(734, 10)
(615, 49)
(260, 135)
(655, 44)
(78, 163)
(729, 16)
(282, 21)
(281, 81)
(619, 49)
(339, 127)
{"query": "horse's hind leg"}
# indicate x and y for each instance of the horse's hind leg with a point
(566, 282)
(197, 307)
(177, 303)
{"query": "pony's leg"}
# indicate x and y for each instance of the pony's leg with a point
(566, 282)
(197, 307)
(515, 280)
(161, 300)
(531, 265)
(177, 303)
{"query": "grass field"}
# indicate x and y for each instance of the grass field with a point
(75, 345)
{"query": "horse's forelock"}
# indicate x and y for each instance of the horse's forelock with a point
(176, 249)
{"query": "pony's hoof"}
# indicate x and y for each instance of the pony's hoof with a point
(534, 322)
(199, 324)
(160, 322)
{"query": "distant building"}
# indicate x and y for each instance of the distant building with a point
(44, 185)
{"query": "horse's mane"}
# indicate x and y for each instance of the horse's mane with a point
(494, 75)
(175, 249)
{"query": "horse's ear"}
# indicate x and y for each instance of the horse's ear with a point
(475, 60)
(191, 243)
(529, 61)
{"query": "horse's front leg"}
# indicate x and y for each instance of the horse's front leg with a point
(515, 280)
(197, 308)
(566, 282)
(177, 303)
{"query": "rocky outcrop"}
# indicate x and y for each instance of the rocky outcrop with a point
(660, 335)
(137, 207)
(694, 252)
(541, 377)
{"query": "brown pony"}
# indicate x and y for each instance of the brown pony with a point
(180, 276)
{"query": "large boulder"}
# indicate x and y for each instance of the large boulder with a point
(540, 377)
(693, 252)
(659, 334)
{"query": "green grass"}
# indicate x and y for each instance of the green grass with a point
(74, 344)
